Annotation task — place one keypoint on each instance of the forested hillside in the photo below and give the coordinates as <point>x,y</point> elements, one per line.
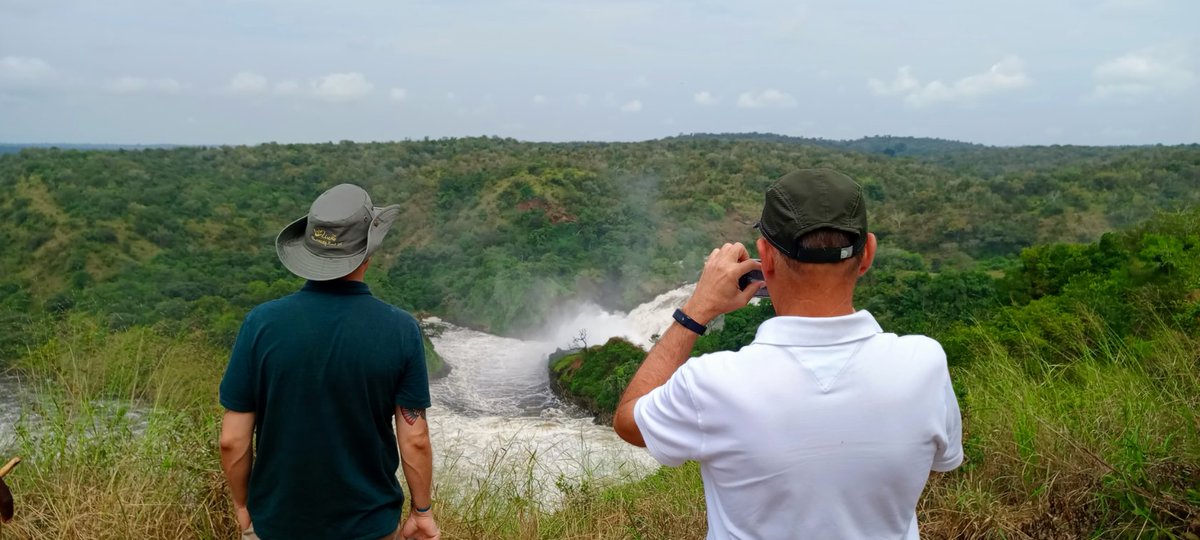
<point>1073,347</point>
<point>494,231</point>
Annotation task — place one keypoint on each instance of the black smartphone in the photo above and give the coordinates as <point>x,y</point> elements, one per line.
<point>751,277</point>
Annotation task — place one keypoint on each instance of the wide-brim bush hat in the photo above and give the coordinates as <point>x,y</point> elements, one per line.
<point>341,230</point>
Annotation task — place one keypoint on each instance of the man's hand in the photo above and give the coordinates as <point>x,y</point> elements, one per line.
<point>717,292</point>
<point>243,518</point>
<point>420,526</point>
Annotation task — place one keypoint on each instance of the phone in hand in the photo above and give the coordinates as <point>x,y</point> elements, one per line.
<point>751,277</point>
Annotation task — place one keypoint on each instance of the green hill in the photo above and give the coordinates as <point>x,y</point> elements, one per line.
<point>493,230</point>
<point>126,272</point>
<point>888,145</point>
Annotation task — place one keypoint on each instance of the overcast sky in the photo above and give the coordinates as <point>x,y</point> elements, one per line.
<point>241,72</point>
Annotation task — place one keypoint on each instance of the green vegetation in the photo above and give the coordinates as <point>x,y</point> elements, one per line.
<point>119,436</point>
<point>1075,359</point>
<point>494,229</point>
<point>433,361</point>
<point>1080,389</point>
<point>594,377</point>
<point>120,441</point>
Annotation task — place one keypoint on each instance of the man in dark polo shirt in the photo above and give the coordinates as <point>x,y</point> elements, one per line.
<point>315,380</point>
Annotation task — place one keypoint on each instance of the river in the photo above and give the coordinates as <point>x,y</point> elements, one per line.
<point>10,410</point>
<point>494,420</point>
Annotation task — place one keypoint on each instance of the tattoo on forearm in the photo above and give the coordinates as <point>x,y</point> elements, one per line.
<point>412,415</point>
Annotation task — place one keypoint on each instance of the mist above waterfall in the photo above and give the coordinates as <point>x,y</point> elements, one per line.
<point>596,324</point>
<point>495,408</point>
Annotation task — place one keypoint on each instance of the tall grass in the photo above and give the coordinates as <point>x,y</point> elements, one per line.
<point>1103,442</point>
<point>118,437</point>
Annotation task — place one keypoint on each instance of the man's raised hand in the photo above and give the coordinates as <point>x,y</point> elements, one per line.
<point>717,292</point>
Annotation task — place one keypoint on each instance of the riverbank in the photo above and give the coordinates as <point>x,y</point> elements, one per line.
<point>1108,449</point>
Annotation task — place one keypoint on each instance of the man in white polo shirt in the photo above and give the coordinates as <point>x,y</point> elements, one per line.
<point>825,426</point>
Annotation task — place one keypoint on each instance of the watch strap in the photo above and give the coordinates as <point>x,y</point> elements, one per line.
<point>689,323</point>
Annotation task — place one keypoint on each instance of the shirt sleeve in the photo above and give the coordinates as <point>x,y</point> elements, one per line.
<point>237,386</point>
<point>670,422</point>
<point>412,390</point>
<point>949,448</point>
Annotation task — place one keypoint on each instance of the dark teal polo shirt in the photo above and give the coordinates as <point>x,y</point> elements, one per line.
<point>323,370</point>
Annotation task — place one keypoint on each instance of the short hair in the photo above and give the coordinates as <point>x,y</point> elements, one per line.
<point>823,238</point>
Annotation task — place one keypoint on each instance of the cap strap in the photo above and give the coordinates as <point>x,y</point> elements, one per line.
<point>824,255</point>
<point>816,255</point>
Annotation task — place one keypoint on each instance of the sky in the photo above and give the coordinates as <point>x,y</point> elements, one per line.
<point>1014,72</point>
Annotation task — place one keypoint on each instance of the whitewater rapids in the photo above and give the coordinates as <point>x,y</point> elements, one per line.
<point>495,424</point>
<point>495,421</point>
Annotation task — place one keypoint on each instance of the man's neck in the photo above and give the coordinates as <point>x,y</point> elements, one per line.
<point>357,275</point>
<point>815,300</point>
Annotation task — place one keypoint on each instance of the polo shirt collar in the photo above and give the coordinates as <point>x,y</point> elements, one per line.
<point>337,286</point>
<point>817,331</point>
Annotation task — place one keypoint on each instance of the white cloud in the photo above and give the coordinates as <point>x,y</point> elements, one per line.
<point>1143,73</point>
<point>247,83</point>
<point>903,83</point>
<point>398,94</point>
<point>342,87</point>
<point>705,98</point>
<point>1005,75</point>
<point>287,88</point>
<point>640,82</point>
<point>769,98</point>
<point>539,100</point>
<point>143,85</point>
<point>24,70</point>
<point>451,97</point>
<point>582,99</point>
<point>632,106</point>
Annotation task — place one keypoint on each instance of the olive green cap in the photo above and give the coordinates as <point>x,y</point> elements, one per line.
<point>806,200</point>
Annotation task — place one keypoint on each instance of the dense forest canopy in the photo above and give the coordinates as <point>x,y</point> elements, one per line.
<point>495,232</point>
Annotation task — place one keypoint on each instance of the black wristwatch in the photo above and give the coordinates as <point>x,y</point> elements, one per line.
<point>689,323</point>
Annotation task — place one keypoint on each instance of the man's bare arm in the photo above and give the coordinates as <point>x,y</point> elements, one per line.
<point>671,351</point>
<point>416,454</point>
<point>416,459</point>
<point>237,458</point>
<point>715,294</point>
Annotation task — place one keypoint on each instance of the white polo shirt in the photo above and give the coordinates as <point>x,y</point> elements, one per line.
<point>821,428</point>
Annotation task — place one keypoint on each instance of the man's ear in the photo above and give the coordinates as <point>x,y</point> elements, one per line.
<point>868,254</point>
<point>766,252</point>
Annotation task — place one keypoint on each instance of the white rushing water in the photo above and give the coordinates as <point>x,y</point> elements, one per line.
<point>495,418</point>
<point>10,410</point>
